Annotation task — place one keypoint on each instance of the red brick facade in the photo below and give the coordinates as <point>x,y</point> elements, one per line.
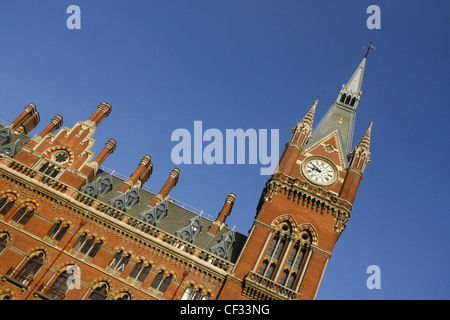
<point>60,241</point>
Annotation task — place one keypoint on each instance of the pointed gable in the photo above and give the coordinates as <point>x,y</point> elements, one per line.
<point>329,146</point>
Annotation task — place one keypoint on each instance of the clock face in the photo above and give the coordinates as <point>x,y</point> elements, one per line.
<point>320,171</point>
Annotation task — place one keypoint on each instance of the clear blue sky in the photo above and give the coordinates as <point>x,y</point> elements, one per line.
<point>258,64</point>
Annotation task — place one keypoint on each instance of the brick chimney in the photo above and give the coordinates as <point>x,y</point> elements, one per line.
<point>218,225</point>
<point>56,123</point>
<point>165,190</point>
<point>103,110</point>
<point>139,176</point>
<point>109,148</point>
<point>26,121</point>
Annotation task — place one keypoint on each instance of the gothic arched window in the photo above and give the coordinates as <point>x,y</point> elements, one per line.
<point>100,292</point>
<point>6,205</point>
<point>120,261</point>
<point>161,283</point>
<point>23,215</point>
<point>62,284</point>
<point>283,259</point>
<point>30,269</point>
<point>141,271</point>
<point>59,230</point>
<point>88,245</point>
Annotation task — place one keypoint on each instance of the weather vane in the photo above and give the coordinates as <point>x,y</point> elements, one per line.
<point>369,46</point>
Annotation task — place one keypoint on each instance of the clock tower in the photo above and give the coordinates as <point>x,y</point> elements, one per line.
<point>306,204</point>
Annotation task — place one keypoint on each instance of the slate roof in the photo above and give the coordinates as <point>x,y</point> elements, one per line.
<point>177,218</point>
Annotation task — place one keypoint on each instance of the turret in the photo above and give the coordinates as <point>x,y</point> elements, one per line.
<point>358,161</point>
<point>300,135</point>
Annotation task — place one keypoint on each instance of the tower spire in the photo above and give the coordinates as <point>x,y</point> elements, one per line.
<point>369,46</point>
<point>341,116</point>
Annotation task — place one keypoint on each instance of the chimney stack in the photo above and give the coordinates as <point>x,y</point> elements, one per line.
<point>56,123</point>
<point>109,148</point>
<point>103,110</point>
<point>218,225</point>
<point>165,190</point>
<point>26,121</point>
<point>139,176</point>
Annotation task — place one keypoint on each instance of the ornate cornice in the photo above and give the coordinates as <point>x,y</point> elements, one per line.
<point>313,197</point>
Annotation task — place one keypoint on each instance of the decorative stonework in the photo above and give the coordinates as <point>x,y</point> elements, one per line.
<point>314,198</point>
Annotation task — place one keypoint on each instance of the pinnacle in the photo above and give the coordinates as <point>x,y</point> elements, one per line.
<point>309,117</point>
<point>365,140</point>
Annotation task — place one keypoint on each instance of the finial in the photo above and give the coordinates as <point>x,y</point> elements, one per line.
<point>369,46</point>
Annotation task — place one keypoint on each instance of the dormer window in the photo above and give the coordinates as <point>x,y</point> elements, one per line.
<point>156,213</point>
<point>189,232</point>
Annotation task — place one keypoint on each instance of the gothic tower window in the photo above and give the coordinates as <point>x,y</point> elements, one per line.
<point>347,100</point>
<point>274,252</point>
<point>284,259</point>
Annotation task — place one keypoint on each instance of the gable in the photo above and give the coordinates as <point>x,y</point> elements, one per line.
<point>330,147</point>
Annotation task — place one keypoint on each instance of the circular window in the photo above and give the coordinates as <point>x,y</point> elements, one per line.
<point>61,156</point>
